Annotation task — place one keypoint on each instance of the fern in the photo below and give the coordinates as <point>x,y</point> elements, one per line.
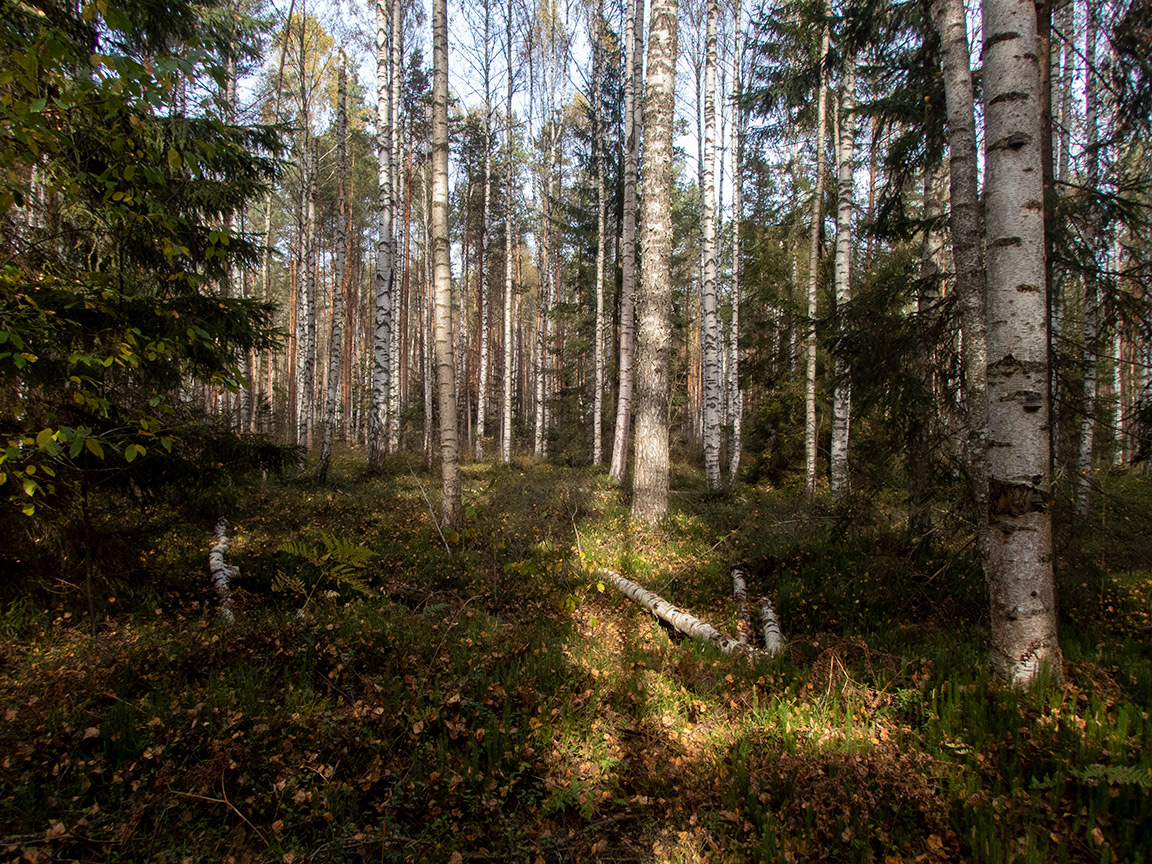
<point>330,559</point>
<point>1117,775</point>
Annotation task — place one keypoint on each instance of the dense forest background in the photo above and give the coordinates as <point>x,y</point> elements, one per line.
<point>352,357</point>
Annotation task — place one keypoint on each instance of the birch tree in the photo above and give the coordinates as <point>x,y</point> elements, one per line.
<point>510,193</point>
<point>452,513</point>
<point>633,67</point>
<point>842,394</point>
<point>966,228</point>
<point>601,216</point>
<point>382,380</point>
<point>1018,553</point>
<point>1091,272</point>
<point>813,269</point>
<point>654,337</point>
<point>336,340</point>
<point>735,397</point>
<point>708,246</point>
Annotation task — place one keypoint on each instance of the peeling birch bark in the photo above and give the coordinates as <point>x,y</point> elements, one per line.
<point>222,571</point>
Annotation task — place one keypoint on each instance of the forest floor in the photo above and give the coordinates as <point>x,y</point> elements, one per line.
<point>388,695</point>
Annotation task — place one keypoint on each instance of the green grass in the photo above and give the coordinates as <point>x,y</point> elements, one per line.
<point>495,702</point>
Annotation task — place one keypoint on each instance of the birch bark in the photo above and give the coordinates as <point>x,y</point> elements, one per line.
<point>654,343</point>
<point>735,397</point>
<point>451,511</point>
<point>842,394</point>
<point>632,74</point>
<point>813,273</point>
<point>965,224</point>
<point>382,331</point>
<point>1018,553</point>
<point>336,338</point>
<point>711,325</point>
<point>601,204</point>
<point>506,424</point>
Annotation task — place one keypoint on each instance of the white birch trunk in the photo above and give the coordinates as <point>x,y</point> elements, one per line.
<point>1018,557</point>
<point>394,358</point>
<point>632,74</point>
<point>735,396</point>
<point>813,276</point>
<point>510,192</point>
<point>382,331</point>
<point>451,510</point>
<point>601,205</point>
<point>687,624</point>
<point>967,253</point>
<point>482,390</point>
<point>654,342</point>
<point>842,394</point>
<point>711,326</point>
<point>336,338</point>
<point>221,571</point>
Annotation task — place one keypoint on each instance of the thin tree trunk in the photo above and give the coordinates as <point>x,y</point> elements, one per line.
<point>397,288</point>
<point>482,388</point>
<point>967,252</point>
<point>1091,273</point>
<point>711,325</point>
<point>601,242</point>
<point>382,331</point>
<point>1018,554</point>
<point>736,397</point>
<point>632,74</point>
<point>842,394</point>
<point>654,342</point>
<point>510,193</point>
<point>813,273</point>
<point>336,338</point>
<point>451,511</point>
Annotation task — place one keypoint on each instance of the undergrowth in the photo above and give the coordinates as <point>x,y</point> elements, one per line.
<point>396,700</point>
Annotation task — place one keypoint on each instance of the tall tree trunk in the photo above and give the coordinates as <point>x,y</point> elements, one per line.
<point>451,512</point>
<point>967,252</point>
<point>1018,554</point>
<point>919,456</point>
<point>633,66</point>
<point>601,240</point>
<point>814,271</point>
<point>842,394</point>
<point>735,397</point>
<point>711,324</point>
<point>1067,28</point>
<point>382,331</point>
<point>510,193</point>
<point>336,338</point>
<point>1091,272</point>
<point>482,280</point>
<point>654,342</point>
<point>398,288</point>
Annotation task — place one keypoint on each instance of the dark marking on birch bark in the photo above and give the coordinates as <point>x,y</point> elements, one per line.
<point>1015,141</point>
<point>1011,96</point>
<point>1007,241</point>
<point>1006,36</point>
<point>1015,499</point>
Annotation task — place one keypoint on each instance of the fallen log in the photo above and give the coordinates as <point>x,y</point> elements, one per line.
<point>740,595</point>
<point>665,611</point>
<point>773,635</point>
<point>222,571</point>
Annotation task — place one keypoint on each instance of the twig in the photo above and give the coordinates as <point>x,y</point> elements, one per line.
<point>431,511</point>
<point>226,803</point>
